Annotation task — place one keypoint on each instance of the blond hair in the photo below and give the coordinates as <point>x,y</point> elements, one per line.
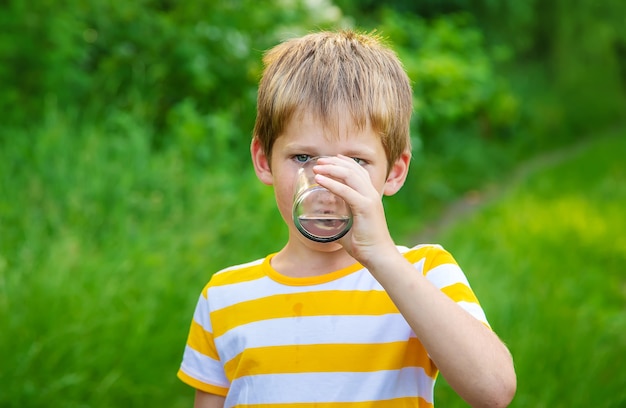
<point>323,72</point>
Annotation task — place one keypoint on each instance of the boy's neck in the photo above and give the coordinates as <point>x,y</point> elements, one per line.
<point>298,261</point>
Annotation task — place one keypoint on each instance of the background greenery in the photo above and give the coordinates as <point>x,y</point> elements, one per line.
<point>547,257</point>
<point>125,180</point>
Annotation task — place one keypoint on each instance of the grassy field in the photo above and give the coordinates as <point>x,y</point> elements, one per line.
<point>104,247</point>
<point>548,261</point>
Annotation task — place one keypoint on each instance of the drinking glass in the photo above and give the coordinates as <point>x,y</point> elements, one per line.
<point>318,214</point>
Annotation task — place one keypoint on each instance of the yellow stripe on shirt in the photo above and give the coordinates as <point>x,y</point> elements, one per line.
<point>201,341</point>
<point>331,358</point>
<point>459,292</point>
<point>408,402</point>
<point>316,303</point>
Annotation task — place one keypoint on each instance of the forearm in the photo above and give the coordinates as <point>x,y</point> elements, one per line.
<point>468,354</point>
<point>206,400</point>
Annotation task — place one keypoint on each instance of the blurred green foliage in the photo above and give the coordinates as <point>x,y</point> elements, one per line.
<point>455,82</point>
<point>183,69</point>
<point>104,247</point>
<point>546,258</point>
<point>189,70</point>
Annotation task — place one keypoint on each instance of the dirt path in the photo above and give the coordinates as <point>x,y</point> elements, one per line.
<point>475,200</point>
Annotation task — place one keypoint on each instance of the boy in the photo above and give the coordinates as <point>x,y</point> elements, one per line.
<point>358,322</point>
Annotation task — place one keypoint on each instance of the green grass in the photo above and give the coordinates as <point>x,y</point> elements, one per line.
<point>547,260</point>
<point>104,247</point>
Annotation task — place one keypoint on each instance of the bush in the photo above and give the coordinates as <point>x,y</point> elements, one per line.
<point>455,80</point>
<point>145,58</point>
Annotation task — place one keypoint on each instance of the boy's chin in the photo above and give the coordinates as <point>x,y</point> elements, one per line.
<point>332,246</point>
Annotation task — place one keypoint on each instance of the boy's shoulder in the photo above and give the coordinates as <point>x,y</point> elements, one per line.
<point>420,248</point>
<point>239,273</point>
<point>421,251</point>
<point>427,256</point>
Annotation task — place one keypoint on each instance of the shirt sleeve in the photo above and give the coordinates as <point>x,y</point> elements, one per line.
<point>201,367</point>
<point>442,270</point>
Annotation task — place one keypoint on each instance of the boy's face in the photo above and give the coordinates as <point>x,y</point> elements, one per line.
<point>305,137</point>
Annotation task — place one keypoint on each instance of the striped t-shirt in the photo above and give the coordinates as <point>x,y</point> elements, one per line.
<point>262,339</point>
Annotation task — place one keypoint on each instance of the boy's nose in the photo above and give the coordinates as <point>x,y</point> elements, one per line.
<point>325,197</point>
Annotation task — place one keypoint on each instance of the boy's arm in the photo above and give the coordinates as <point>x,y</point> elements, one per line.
<point>474,361</point>
<point>206,400</point>
<point>470,356</point>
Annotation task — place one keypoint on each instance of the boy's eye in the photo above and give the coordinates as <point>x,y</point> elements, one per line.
<point>301,158</point>
<point>359,161</point>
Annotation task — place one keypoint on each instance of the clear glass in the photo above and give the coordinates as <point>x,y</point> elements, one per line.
<point>318,214</point>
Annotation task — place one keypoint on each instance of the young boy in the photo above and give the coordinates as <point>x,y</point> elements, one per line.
<point>358,322</point>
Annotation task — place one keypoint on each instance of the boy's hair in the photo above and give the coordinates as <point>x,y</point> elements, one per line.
<point>324,72</point>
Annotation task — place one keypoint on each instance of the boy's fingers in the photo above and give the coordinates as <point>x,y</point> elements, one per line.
<point>345,170</point>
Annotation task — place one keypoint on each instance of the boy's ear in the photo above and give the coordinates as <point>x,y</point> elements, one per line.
<point>397,174</point>
<point>261,162</point>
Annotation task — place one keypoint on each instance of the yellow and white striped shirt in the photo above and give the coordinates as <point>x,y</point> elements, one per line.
<point>266,340</point>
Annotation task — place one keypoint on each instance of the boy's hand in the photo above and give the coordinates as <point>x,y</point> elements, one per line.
<point>369,236</point>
